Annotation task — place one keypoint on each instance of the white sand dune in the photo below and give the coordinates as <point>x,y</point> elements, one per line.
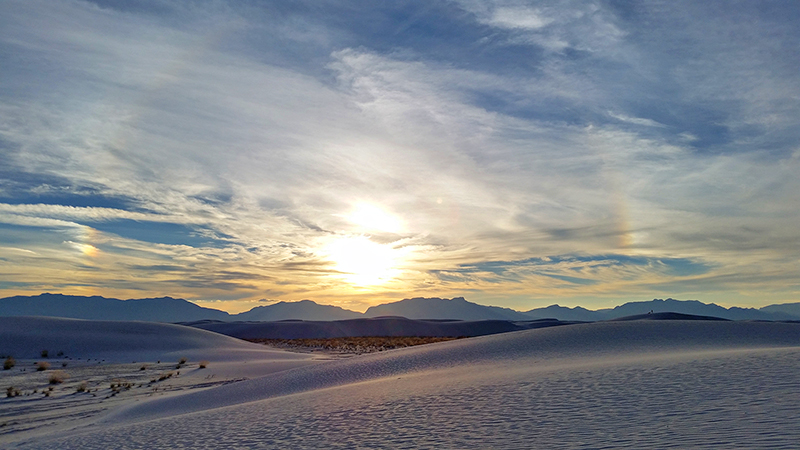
<point>119,341</point>
<point>141,356</point>
<point>641,384</point>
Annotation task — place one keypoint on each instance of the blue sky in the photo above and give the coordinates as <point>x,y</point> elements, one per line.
<point>516,153</point>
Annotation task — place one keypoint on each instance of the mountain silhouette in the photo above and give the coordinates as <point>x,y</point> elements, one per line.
<point>168,309</point>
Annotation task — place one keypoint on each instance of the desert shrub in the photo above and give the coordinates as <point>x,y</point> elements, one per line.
<point>203,364</point>
<point>9,363</point>
<point>11,391</point>
<point>60,353</point>
<point>44,353</point>
<point>165,376</point>
<point>182,361</point>
<point>118,385</point>
<point>83,387</point>
<point>57,377</point>
<point>64,364</point>
<point>144,367</point>
<point>42,365</point>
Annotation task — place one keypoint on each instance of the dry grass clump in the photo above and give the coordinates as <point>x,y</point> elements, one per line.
<point>11,391</point>
<point>42,366</point>
<point>9,363</point>
<point>203,365</point>
<point>118,385</point>
<point>83,387</point>
<point>57,377</point>
<point>165,375</point>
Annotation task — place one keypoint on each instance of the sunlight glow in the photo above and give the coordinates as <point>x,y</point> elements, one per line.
<point>373,218</point>
<point>363,262</point>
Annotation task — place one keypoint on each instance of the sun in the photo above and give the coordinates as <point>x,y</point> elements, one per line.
<point>362,262</point>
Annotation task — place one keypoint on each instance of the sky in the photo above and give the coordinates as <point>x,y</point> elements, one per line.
<point>519,154</point>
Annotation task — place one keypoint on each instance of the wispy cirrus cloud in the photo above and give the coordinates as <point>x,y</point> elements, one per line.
<point>238,140</point>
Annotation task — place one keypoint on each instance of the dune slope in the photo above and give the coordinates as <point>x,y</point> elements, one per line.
<point>26,337</point>
<point>643,384</point>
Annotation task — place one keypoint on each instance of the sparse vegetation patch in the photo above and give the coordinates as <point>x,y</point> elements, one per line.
<point>165,376</point>
<point>11,391</point>
<point>118,385</point>
<point>356,345</point>
<point>9,363</point>
<point>42,366</point>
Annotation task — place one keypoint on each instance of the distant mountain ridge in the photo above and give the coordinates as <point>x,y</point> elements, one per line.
<point>163,309</point>
<point>692,307</point>
<point>168,309</point>
<point>441,308</point>
<point>304,309</point>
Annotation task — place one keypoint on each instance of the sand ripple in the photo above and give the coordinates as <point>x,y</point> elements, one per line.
<point>710,399</point>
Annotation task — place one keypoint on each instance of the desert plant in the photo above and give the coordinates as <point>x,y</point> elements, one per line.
<point>64,364</point>
<point>83,387</point>
<point>12,392</point>
<point>42,365</point>
<point>44,353</point>
<point>144,367</point>
<point>165,375</point>
<point>9,363</point>
<point>57,377</point>
<point>203,364</point>
<point>60,353</point>
<point>118,385</point>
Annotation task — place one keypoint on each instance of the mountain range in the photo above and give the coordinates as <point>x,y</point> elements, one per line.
<point>168,309</point>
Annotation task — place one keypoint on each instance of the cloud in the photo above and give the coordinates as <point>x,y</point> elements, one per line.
<point>579,270</point>
<point>635,120</point>
<point>518,17</point>
<point>237,140</point>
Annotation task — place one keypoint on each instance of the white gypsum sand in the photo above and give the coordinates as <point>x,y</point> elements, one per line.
<point>99,366</point>
<point>641,384</point>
